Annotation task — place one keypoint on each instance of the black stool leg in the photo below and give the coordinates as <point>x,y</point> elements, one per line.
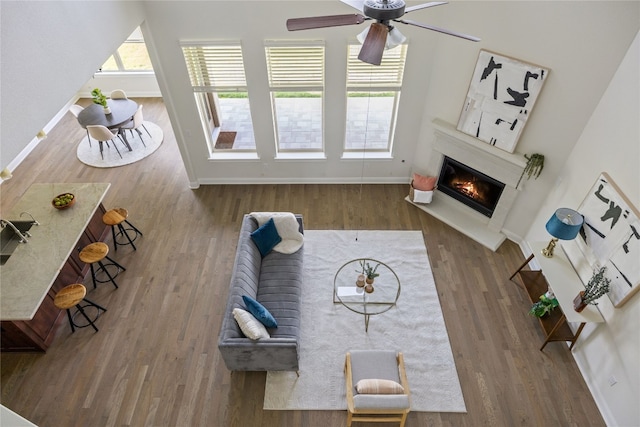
<point>93,276</point>
<point>116,264</point>
<point>113,233</point>
<point>124,231</point>
<point>73,328</point>
<point>107,271</point>
<point>81,310</point>
<point>134,227</point>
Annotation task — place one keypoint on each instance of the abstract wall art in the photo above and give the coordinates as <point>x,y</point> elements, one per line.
<point>610,236</point>
<point>501,95</point>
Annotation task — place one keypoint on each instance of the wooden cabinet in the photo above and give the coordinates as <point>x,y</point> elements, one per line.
<point>558,275</point>
<point>38,333</point>
<point>553,324</point>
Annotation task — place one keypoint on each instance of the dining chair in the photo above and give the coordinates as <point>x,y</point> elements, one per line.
<point>136,123</point>
<point>118,94</point>
<point>103,134</point>
<point>75,109</point>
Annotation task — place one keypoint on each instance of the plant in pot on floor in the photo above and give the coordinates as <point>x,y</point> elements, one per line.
<point>597,286</point>
<point>545,305</point>
<point>100,99</point>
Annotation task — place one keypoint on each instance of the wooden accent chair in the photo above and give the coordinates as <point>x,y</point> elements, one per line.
<point>369,406</point>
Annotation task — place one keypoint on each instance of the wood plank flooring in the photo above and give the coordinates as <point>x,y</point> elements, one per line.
<point>155,362</point>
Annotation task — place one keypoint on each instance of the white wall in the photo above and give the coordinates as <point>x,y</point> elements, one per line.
<point>49,49</point>
<point>609,143</point>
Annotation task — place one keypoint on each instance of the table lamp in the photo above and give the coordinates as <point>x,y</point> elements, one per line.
<point>564,224</point>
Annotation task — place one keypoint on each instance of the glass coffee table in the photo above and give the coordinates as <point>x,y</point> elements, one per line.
<point>367,300</point>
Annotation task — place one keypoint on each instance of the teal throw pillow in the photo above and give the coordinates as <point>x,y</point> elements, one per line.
<point>259,312</point>
<point>266,237</point>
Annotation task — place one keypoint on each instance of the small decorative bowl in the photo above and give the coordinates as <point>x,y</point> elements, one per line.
<point>63,201</point>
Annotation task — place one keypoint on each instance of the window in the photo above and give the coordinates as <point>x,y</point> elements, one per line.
<point>296,82</point>
<point>131,56</point>
<point>220,89</point>
<point>373,92</point>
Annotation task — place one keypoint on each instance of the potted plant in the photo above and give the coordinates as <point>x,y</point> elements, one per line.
<point>100,99</point>
<point>597,286</point>
<point>535,164</point>
<point>545,305</point>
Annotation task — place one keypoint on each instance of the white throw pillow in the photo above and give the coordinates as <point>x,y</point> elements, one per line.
<point>249,325</point>
<point>376,386</point>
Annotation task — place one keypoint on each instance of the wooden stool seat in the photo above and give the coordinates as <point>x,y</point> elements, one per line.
<point>117,218</point>
<point>72,296</point>
<point>95,253</point>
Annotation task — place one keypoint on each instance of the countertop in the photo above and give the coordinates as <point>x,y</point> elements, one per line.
<point>31,270</point>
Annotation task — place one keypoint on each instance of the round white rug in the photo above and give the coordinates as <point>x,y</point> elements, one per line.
<point>90,155</point>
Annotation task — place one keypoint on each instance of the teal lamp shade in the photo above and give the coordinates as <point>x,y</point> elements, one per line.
<point>564,224</point>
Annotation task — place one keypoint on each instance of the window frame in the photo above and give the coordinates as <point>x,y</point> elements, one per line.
<point>287,73</point>
<point>361,78</point>
<point>202,59</point>
<point>132,39</point>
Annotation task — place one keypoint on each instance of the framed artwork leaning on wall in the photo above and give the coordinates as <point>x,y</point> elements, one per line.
<point>502,93</point>
<point>610,236</point>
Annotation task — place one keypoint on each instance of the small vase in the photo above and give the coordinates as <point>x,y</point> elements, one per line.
<point>360,280</point>
<point>578,302</point>
<point>107,110</point>
<point>369,288</point>
<point>369,281</point>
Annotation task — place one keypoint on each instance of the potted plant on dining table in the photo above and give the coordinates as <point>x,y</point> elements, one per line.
<point>100,99</point>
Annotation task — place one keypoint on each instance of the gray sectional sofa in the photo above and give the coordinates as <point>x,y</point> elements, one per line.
<point>275,281</point>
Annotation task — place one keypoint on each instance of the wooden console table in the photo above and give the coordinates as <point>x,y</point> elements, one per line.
<point>557,274</point>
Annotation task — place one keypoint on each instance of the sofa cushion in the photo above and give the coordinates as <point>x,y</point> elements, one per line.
<point>259,312</point>
<point>266,237</point>
<point>249,325</point>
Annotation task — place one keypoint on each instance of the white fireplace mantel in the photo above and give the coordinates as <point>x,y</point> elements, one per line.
<point>494,162</point>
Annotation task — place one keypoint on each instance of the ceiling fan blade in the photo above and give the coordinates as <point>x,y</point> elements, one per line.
<point>295,24</point>
<point>356,4</point>
<point>424,6</point>
<point>373,46</point>
<point>438,29</point>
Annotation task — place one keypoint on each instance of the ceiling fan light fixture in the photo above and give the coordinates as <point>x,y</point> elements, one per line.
<point>394,39</point>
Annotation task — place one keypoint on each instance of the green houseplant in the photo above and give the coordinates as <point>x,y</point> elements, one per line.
<point>368,271</point>
<point>597,286</point>
<point>545,305</point>
<point>535,164</point>
<point>99,98</point>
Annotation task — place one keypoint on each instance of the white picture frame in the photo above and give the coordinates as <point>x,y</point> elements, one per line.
<point>610,237</point>
<point>501,96</point>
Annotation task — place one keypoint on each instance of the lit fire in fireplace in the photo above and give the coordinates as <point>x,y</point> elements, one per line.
<point>471,189</point>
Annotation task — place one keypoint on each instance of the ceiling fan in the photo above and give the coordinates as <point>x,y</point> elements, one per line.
<point>380,34</point>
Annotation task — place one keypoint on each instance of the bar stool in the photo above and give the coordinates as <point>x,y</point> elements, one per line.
<point>115,218</point>
<point>96,253</point>
<point>71,296</point>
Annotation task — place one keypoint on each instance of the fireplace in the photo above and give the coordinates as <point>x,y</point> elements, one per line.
<point>469,186</point>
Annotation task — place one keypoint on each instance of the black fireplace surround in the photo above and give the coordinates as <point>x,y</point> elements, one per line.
<point>469,186</point>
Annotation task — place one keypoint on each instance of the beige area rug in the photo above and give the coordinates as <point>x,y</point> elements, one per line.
<point>225,140</point>
<point>414,326</point>
<point>90,155</point>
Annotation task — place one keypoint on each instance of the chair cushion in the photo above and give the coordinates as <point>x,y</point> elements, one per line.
<point>381,401</point>
<point>382,364</point>
<point>259,312</point>
<point>266,237</point>
<point>249,325</point>
<point>378,386</point>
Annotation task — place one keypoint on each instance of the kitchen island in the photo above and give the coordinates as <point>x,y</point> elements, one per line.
<point>49,261</point>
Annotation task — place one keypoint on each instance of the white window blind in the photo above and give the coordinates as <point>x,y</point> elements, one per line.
<point>386,75</point>
<point>217,68</point>
<point>295,67</point>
